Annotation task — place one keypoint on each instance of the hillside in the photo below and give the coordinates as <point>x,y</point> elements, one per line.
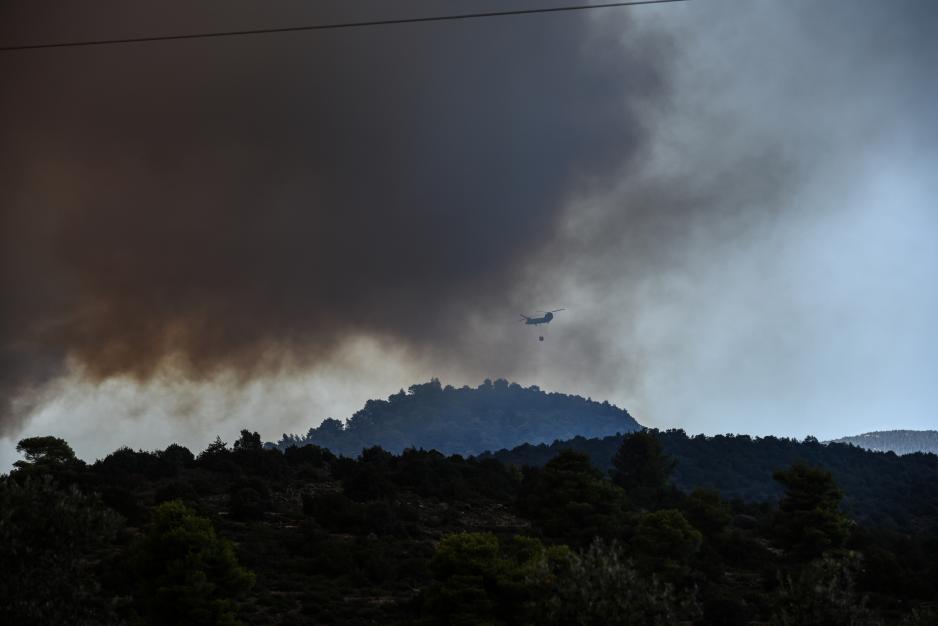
<point>898,441</point>
<point>879,488</point>
<point>247,535</point>
<point>492,416</point>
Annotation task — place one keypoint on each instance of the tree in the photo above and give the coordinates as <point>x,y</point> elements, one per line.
<point>216,448</point>
<point>570,501</point>
<point>217,457</point>
<point>463,566</point>
<point>601,586</point>
<point>127,465</point>
<point>707,512</point>
<point>248,442</point>
<point>186,573</point>
<point>177,456</point>
<point>809,520</point>
<point>664,542</point>
<point>248,504</point>
<point>823,593</point>
<point>368,478</point>
<point>48,456</point>
<point>641,468</point>
<point>479,580</point>
<point>44,450</point>
<point>50,540</point>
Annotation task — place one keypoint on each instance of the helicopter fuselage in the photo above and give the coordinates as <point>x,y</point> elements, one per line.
<point>534,321</point>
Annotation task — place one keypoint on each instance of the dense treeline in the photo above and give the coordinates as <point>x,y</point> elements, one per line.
<point>881,489</point>
<point>492,416</point>
<point>244,534</point>
<point>898,441</point>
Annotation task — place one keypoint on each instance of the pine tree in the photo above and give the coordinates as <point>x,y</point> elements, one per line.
<point>809,521</point>
<point>641,468</point>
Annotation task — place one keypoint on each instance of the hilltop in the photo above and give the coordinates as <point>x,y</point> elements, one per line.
<point>898,441</point>
<point>492,416</point>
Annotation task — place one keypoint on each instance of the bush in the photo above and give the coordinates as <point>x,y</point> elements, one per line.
<point>124,502</point>
<point>570,501</point>
<point>822,593</point>
<point>176,490</point>
<point>311,455</point>
<point>177,456</point>
<point>49,541</point>
<point>248,504</point>
<point>664,542</point>
<point>124,464</point>
<point>479,580</point>
<point>600,586</point>
<point>186,573</point>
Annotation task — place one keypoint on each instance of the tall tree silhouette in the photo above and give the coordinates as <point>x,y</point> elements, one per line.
<point>641,468</point>
<point>809,521</point>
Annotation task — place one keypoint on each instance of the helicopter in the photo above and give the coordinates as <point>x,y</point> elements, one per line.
<point>544,319</point>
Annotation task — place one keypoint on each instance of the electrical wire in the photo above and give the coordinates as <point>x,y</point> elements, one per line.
<point>332,26</point>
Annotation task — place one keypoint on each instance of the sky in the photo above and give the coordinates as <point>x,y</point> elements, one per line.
<point>733,202</point>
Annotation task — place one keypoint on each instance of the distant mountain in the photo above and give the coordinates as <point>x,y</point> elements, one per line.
<point>879,488</point>
<point>493,416</point>
<point>898,441</point>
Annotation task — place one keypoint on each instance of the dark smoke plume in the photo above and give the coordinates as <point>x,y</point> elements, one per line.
<point>249,204</point>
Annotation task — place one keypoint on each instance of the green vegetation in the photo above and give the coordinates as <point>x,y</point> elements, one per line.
<point>252,535</point>
<point>602,586</point>
<point>44,451</point>
<point>880,489</point>
<point>187,574</point>
<point>570,501</point>
<point>642,469</point>
<point>481,580</point>
<point>809,521</point>
<point>50,538</point>
<point>493,416</point>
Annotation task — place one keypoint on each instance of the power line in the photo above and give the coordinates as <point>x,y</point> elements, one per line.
<point>333,26</point>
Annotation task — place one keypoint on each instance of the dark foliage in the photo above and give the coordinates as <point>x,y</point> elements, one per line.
<point>249,500</point>
<point>481,580</point>
<point>495,415</point>
<point>421,537</point>
<point>177,456</point>
<point>570,501</point>
<point>131,466</point>
<point>49,538</point>
<point>602,586</point>
<point>641,468</point>
<point>44,451</point>
<point>187,573</point>
<point>309,455</point>
<point>48,457</point>
<point>880,489</point>
<point>175,490</point>
<point>809,521</point>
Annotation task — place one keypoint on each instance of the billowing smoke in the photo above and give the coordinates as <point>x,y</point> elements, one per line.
<point>734,201</point>
<point>251,204</point>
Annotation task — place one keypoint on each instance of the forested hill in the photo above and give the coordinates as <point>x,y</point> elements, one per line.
<point>898,441</point>
<point>881,489</point>
<point>493,416</point>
